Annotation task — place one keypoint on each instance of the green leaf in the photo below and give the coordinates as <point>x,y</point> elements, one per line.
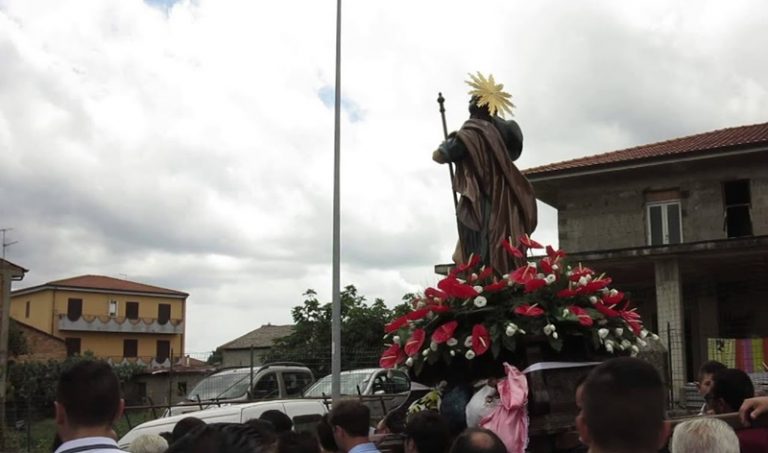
<point>556,344</point>
<point>495,349</point>
<point>509,343</point>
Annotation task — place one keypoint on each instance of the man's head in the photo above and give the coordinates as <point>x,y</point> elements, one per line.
<point>706,375</point>
<point>293,442</point>
<point>427,432</point>
<point>704,434</point>
<point>87,399</point>
<point>392,423</point>
<point>184,426</point>
<point>478,440</point>
<point>623,407</point>
<point>351,421</point>
<point>279,420</point>
<point>730,388</point>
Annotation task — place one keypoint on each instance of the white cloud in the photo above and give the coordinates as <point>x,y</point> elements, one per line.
<point>190,145</point>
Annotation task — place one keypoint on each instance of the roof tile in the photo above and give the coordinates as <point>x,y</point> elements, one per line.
<point>110,284</point>
<point>263,337</point>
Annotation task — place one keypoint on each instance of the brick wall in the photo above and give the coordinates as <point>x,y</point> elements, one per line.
<point>41,346</point>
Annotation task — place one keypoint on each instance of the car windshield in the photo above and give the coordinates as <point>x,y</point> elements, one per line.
<point>221,386</point>
<point>349,385</point>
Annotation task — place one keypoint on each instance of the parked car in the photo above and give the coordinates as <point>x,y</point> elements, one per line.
<point>304,413</point>
<point>367,381</point>
<point>271,381</point>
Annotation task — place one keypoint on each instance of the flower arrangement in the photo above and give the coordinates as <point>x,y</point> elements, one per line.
<point>474,311</point>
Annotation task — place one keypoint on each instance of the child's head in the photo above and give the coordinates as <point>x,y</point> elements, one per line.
<point>707,374</point>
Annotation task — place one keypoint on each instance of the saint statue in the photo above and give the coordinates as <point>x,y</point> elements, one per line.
<point>497,202</point>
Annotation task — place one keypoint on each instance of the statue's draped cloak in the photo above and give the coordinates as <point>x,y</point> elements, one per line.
<point>497,201</point>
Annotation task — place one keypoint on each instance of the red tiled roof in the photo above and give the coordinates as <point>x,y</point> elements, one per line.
<point>719,140</point>
<point>105,283</point>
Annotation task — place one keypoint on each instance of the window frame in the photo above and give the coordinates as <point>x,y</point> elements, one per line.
<point>128,304</point>
<point>71,303</point>
<point>136,346</point>
<point>664,221</point>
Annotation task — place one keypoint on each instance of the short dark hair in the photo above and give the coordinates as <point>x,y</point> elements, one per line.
<point>733,386</point>
<point>623,405</point>
<point>395,421</point>
<point>184,426</point>
<point>279,420</point>
<point>324,432</point>
<point>429,431</point>
<point>711,367</point>
<point>293,442</point>
<point>89,393</point>
<point>223,437</point>
<point>478,440</point>
<point>353,417</point>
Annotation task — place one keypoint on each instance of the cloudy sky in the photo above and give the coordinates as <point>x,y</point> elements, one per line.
<point>190,144</point>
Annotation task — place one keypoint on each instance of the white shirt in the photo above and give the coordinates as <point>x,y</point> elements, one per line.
<point>89,445</point>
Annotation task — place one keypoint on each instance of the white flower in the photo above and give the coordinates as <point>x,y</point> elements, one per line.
<point>642,343</point>
<point>511,329</point>
<point>655,337</point>
<point>453,353</point>
<point>625,344</point>
<point>613,292</point>
<point>409,362</point>
<point>480,301</point>
<point>437,299</point>
<point>554,335</point>
<point>589,278</point>
<point>643,333</point>
<point>505,277</point>
<point>604,291</point>
<point>602,333</point>
<point>609,346</point>
<point>478,289</point>
<point>452,342</point>
<point>635,350</point>
<point>425,352</point>
<point>583,281</point>
<point>566,312</point>
<point>470,355</point>
<point>550,279</point>
<point>468,342</point>
<point>396,339</point>
<point>433,346</point>
<point>555,267</point>
<point>540,276</point>
<point>592,300</point>
<point>532,264</point>
<point>473,277</point>
<point>522,332</point>
<point>549,329</point>
<point>619,331</point>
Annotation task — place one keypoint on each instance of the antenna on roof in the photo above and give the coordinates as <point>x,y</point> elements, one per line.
<point>6,244</point>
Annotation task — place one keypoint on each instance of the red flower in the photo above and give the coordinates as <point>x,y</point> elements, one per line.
<point>579,272</point>
<point>582,315</point>
<point>606,310</point>
<point>597,285</point>
<point>413,345</point>
<point>534,284</point>
<point>530,243</point>
<point>415,315</point>
<point>439,308</point>
<point>554,254</point>
<point>523,274</point>
<point>454,288</point>
<point>546,265</point>
<point>495,286</point>
<point>529,310</point>
<point>514,251</point>
<point>613,299</point>
<point>392,357</point>
<point>474,260</point>
<point>444,332</point>
<point>568,292</point>
<point>486,272</point>
<point>396,324</point>
<point>481,340</point>
<point>432,293</point>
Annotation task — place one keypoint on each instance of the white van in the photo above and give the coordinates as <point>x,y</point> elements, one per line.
<point>304,413</point>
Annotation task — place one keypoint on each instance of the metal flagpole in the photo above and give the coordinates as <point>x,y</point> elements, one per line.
<point>336,303</point>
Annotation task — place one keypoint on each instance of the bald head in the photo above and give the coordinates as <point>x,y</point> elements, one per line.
<point>478,440</point>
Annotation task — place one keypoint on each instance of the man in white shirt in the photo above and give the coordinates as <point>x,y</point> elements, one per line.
<point>87,405</point>
<point>351,422</point>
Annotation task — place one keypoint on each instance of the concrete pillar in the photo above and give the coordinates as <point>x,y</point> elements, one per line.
<point>707,317</point>
<point>669,305</point>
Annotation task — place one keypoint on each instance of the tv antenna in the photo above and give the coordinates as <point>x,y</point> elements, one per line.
<point>6,244</point>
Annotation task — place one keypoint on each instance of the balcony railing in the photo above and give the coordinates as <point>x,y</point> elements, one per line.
<point>92,323</point>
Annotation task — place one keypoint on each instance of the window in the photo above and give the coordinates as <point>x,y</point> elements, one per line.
<point>737,199</point>
<point>163,350</point>
<point>73,346</point>
<point>130,348</point>
<point>112,308</point>
<point>163,313</point>
<point>26,310</point>
<point>132,310</point>
<point>664,224</point>
<point>74,309</point>
<point>266,387</point>
<point>295,382</point>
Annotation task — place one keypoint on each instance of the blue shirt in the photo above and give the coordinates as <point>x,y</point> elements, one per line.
<point>369,447</point>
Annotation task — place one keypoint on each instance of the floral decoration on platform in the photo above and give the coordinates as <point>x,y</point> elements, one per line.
<point>473,311</point>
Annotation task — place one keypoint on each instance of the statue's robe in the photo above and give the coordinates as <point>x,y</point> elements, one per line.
<point>497,201</point>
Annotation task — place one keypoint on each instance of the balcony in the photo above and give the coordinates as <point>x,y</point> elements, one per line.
<point>92,323</point>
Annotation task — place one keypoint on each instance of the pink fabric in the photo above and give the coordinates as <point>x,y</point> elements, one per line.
<point>510,419</point>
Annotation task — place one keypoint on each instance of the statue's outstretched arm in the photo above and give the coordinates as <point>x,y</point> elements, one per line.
<point>451,150</point>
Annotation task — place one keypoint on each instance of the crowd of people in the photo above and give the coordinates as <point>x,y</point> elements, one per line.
<point>621,408</point>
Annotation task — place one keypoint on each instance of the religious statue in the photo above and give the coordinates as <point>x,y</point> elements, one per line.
<point>497,201</point>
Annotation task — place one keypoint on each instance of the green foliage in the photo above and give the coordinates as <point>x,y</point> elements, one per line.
<point>215,358</point>
<point>362,328</point>
<point>17,343</point>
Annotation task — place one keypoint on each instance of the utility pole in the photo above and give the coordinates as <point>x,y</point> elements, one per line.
<point>336,302</point>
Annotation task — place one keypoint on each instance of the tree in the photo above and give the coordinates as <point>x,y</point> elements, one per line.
<point>362,328</point>
<point>215,358</point>
<point>17,343</point>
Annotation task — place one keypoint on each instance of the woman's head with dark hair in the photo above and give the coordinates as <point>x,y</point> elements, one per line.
<point>184,426</point>
<point>324,432</point>
<point>224,438</point>
<point>293,442</point>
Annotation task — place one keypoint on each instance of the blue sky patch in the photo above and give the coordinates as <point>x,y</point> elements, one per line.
<point>327,94</point>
